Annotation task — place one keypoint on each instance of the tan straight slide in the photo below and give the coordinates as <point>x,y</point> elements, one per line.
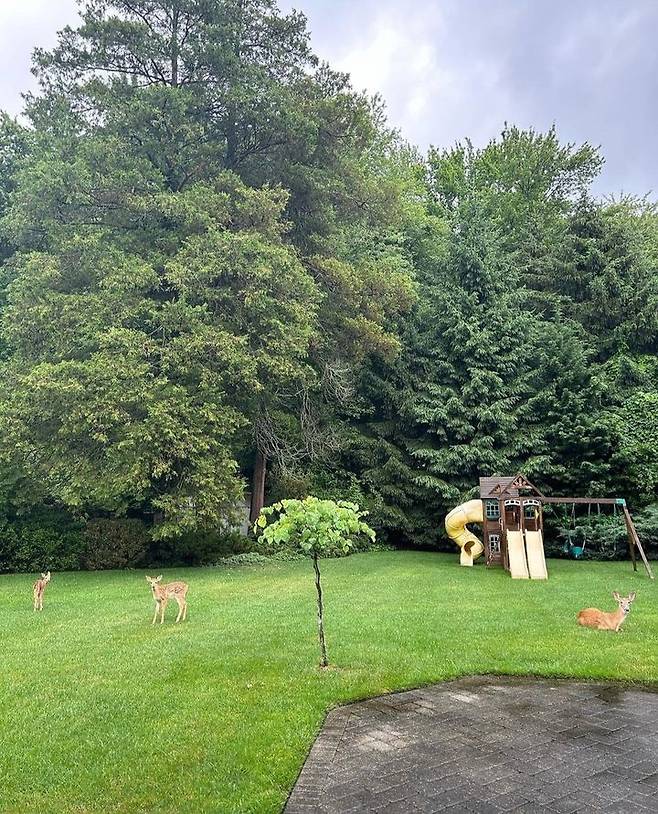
<point>536,560</point>
<point>518,567</point>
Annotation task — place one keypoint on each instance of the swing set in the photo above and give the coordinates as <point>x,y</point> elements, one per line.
<point>577,548</point>
<point>510,510</point>
<point>574,546</point>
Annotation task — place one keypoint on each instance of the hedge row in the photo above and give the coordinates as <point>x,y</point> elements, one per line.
<point>61,544</point>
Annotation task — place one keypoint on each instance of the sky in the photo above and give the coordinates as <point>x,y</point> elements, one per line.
<point>455,69</point>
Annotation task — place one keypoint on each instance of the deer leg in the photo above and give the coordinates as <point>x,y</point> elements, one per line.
<point>163,605</point>
<point>155,615</point>
<point>180,611</point>
<point>185,610</point>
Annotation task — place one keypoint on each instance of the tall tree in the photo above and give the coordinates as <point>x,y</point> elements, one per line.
<point>143,110</point>
<point>130,375</point>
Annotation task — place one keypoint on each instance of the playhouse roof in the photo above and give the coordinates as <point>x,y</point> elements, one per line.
<point>497,486</point>
<point>487,486</point>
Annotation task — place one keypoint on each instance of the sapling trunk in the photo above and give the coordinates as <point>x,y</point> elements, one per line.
<point>324,660</point>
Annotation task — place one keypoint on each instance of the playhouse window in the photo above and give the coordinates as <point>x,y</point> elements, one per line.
<point>492,509</point>
<point>494,543</point>
<point>529,511</point>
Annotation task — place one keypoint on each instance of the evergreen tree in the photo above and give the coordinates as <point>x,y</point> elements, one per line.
<point>496,374</point>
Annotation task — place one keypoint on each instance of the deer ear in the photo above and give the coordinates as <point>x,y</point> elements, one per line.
<point>615,595</point>
<point>159,579</point>
<point>631,597</point>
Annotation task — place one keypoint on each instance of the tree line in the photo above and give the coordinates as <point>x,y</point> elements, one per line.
<point>221,270</point>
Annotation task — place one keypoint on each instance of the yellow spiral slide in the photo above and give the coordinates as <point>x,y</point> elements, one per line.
<point>456,520</point>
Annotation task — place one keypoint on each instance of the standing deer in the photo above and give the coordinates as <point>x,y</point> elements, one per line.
<point>162,594</point>
<point>593,617</point>
<point>38,590</point>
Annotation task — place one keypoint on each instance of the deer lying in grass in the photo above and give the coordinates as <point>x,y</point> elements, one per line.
<point>593,617</point>
<point>162,594</point>
<point>38,590</point>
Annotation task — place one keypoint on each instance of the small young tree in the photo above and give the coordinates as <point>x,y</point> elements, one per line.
<point>317,528</point>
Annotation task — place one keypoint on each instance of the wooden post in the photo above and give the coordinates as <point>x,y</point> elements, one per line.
<point>631,545</point>
<point>630,527</point>
<point>503,534</point>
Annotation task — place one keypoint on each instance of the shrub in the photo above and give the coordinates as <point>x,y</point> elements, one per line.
<point>115,543</point>
<point>29,545</point>
<point>199,548</point>
<point>248,558</point>
<point>255,558</point>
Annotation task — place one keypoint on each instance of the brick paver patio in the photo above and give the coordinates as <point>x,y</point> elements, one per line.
<point>487,745</point>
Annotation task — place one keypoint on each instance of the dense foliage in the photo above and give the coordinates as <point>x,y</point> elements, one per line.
<point>218,265</point>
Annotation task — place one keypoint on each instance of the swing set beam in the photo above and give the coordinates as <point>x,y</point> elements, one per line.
<point>606,501</point>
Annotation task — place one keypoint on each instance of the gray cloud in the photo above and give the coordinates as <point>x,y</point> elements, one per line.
<point>24,26</point>
<point>450,69</point>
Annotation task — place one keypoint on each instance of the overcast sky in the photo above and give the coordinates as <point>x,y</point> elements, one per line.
<point>450,69</point>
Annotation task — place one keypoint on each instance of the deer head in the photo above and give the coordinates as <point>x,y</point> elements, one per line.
<point>624,602</point>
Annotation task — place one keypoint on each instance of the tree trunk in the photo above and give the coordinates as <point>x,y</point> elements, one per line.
<point>258,486</point>
<point>324,660</point>
<point>174,47</point>
<point>232,113</point>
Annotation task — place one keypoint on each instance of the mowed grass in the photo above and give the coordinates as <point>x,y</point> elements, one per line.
<point>100,712</point>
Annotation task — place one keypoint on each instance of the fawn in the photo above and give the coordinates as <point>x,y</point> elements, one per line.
<point>593,617</point>
<point>162,594</point>
<point>38,589</point>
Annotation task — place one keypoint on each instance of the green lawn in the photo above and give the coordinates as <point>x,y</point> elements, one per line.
<point>100,712</point>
